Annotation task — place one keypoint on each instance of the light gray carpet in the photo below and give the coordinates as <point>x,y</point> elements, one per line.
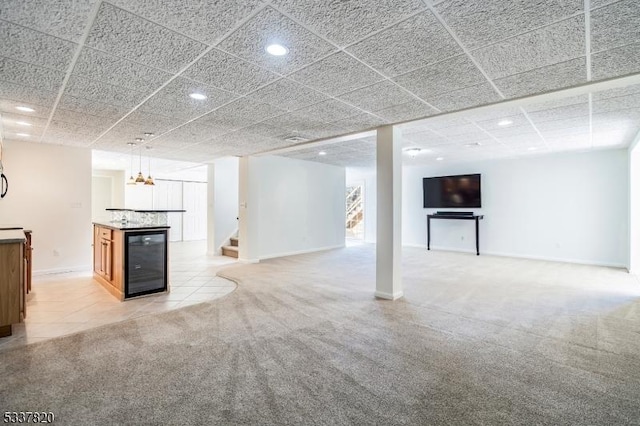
<point>477,340</point>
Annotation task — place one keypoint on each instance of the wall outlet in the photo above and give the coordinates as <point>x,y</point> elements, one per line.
<point>462,237</point>
<point>56,252</point>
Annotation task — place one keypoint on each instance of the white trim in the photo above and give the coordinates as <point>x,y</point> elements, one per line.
<point>293,253</point>
<point>388,296</point>
<point>85,268</point>
<point>523,256</point>
<point>248,261</point>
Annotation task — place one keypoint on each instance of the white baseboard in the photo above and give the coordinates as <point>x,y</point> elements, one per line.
<point>305,251</point>
<point>388,296</point>
<point>523,256</point>
<point>246,261</point>
<point>85,268</point>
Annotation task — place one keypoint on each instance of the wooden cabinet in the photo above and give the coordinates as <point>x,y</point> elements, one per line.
<point>12,276</point>
<point>107,263</point>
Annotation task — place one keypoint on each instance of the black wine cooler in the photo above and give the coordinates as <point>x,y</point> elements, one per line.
<point>146,263</point>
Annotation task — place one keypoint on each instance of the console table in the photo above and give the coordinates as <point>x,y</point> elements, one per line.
<point>454,217</point>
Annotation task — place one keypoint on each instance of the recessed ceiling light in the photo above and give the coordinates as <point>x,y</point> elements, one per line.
<point>26,135</point>
<point>439,158</point>
<point>413,151</point>
<point>149,134</point>
<point>23,123</point>
<point>276,50</point>
<point>505,122</point>
<point>25,109</point>
<point>198,96</point>
<point>322,153</point>
<point>139,140</point>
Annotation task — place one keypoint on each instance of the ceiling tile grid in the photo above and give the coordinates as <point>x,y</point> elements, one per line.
<point>336,74</point>
<point>227,72</point>
<point>345,22</point>
<point>129,36</point>
<point>288,94</point>
<point>203,20</point>
<point>270,27</point>
<point>66,19</point>
<point>95,65</point>
<point>24,44</point>
<point>418,41</point>
<point>481,22</point>
<point>30,75</point>
<point>615,25</point>
<point>546,46</point>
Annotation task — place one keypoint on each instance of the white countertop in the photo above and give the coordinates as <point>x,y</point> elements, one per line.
<point>12,236</point>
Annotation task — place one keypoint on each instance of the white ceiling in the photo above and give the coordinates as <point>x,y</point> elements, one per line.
<point>101,73</point>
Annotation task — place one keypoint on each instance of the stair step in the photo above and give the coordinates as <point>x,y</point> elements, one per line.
<point>231,251</point>
<point>234,242</point>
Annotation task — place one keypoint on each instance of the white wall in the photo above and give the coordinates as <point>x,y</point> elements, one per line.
<point>367,177</point>
<point>634,206</point>
<point>301,206</point>
<point>107,191</point>
<point>50,193</point>
<point>225,200</point>
<point>568,207</point>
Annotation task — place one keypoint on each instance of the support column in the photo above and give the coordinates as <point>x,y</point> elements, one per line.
<point>248,212</point>
<point>211,177</point>
<point>389,213</point>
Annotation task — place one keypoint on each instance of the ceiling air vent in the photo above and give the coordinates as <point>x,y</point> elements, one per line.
<point>295,139</point>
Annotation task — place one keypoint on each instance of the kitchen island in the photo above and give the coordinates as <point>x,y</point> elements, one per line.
<point>12,279</point>
<point>130,259</point>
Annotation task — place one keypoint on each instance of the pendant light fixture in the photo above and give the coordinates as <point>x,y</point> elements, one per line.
<point>131,180</point>
<point>140,177</point>
<point>149,180</point>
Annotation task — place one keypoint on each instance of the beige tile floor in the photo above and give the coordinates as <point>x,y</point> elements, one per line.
<point>61,304</point>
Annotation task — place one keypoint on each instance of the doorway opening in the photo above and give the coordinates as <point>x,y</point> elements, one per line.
<point>355,212</point>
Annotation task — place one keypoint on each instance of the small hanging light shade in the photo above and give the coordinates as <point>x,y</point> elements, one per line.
<point>131,180</point>
<point>149,180</point>
<point>140,177</point>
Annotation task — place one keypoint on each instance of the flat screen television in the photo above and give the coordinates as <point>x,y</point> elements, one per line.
<point>459,191</point>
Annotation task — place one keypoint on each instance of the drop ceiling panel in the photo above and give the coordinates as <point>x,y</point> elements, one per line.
<point>139,122</point>
<point>66,19</point>
<point>103,92</point>
<point>615,25</point>
<point>30,75</point>
<point>11,121</point>
<point>480,94</point>
<point>9,106</point>
<point>240,113</point>
<point>411,44</point>
<point>492,123</point>
<point>408,111</point>
<point>481,22</point>
<point>126,35</point>
<point>173,100</point>
<point>227,72</point>
<point>442,77</point>
<point>616,62</point>
<point>27,96</point>
<point>617,103</point>
<point>34,47</point>
<point>288,94</point>
<point>565,74</point>
<point>93,107</point>
<point>345,22</point>
<point>563,123</point>
<point>614,93</point>
<point>110,69</point>
<point>360,122</point>
<point>270,27</point>
<point>62,115</point>
<point>203,20</point>
<point>562,112</point>
<point>339,73</point>
<point>377,96</point>
<point>546,46</point>
<point>328,111</point>
<point>558,103</point>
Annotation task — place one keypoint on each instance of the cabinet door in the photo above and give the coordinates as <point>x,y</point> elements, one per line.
<point>107,265</point>
<point>97,250</point>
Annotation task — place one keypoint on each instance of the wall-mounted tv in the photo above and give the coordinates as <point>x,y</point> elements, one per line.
<point>459,191</point>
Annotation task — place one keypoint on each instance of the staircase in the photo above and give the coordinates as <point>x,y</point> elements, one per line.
<point>355,213</point>
<point>231,250</point>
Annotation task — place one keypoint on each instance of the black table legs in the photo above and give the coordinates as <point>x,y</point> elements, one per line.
<point>428,233</point>
<point>477,239</point>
